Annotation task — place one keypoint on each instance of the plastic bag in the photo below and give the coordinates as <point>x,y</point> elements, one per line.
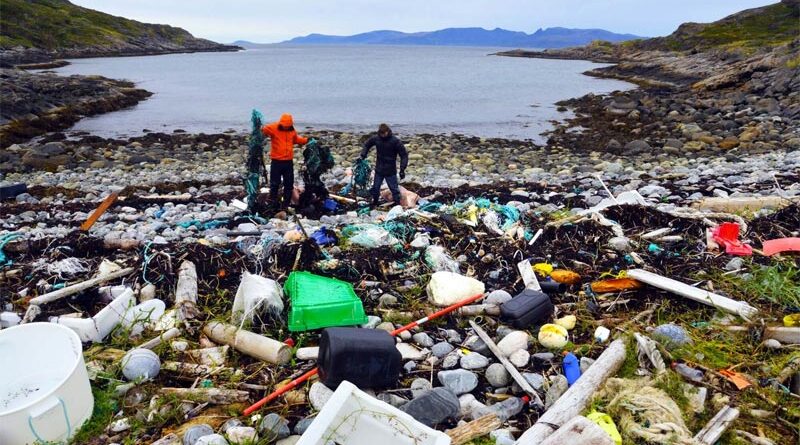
<point>374,236</point>
<point>421,240</point>
<point>256,296</point>
<point>437,259</point>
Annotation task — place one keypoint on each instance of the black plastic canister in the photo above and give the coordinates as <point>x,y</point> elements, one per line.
<point>366,358</point>
<point>527,308</point>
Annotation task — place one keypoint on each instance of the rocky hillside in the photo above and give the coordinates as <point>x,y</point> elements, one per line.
<point>42,30</point>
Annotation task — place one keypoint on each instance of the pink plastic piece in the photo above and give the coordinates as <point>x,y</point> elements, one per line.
<point>780,245</point>
<point>727,234</point>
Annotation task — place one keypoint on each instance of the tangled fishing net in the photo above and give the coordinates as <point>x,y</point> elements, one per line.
<point>255,159</point>
<point>646,413</point>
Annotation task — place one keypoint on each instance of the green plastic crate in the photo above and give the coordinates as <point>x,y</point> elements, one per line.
<point>321,302</point>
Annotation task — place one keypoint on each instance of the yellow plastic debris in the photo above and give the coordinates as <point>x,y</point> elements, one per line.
<point>543,269</point>
<point>605,422</point>
<point>553,336</point>
<point>791,320</point>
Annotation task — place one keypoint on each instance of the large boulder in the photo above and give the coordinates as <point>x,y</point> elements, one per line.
<point>47,157</point>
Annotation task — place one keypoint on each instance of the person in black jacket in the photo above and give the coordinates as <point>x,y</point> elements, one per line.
<point>388,147</point>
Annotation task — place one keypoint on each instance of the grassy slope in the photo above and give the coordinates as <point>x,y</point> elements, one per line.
<point>770,25</point>
<point>58,24</point>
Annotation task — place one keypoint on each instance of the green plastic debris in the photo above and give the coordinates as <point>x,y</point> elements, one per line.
<point>321,302</point>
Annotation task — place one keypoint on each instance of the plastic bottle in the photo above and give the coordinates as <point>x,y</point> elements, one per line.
<point>572,368</point>
<point>503,410</point>
<point>688,372</point>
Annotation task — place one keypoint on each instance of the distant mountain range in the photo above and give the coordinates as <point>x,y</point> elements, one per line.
<point>542,38</point>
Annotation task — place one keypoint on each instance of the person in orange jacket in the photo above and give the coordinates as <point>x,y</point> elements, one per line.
<point>282,137</point>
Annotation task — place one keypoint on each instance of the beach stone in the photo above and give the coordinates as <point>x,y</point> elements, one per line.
<point>302,425</point>
<point>474,343</point>
<point>450,360</point>
<point>637,146</point>
<point>419,387</point>
<point>671,336</point>
<point>292,440</point>
<point>502,437</point>
<point>543,358</point>
<point>274,427</point>
<point>195,432</point>
<point>520,358</point>
<point>169,439</point>
<point>422,339</point>
<point>441,349</point>
<point>497,375</point>
<point>240,435</point>
<point>318,395</point>
<point>433,407</point>
<point>212,439</point>
<point>410,366</point>
<point>474,360</point>
<point>409,352</point>
<point>230,423</point>
<point>513,342</point>
<point>497,297</point>
<point>734,264</point>
<point>387,300</point>
<point>533,379</point>
<point>558,386</point>
<point>459,381</point>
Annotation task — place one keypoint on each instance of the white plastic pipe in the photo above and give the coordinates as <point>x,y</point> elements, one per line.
<point>95,329</point>
<point>740,308</point>
<point>246,342</point>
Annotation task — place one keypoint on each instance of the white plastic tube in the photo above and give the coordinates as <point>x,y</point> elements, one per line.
<point>97,328</point>
<point>246,342</point>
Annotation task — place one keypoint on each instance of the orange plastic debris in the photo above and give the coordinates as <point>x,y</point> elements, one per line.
<point>99,211</point>
<point>737,379</point>
<point>565,276</point>
<point>615,285</point>
<point>781,245</point>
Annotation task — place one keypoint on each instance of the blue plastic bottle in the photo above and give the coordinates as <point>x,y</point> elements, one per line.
<point>572,368</point>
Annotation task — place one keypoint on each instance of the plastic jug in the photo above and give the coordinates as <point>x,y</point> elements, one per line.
<point>367,358</point>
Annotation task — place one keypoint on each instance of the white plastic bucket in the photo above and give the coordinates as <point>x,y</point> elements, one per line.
<point>44,388</point>
<point>353,417</point>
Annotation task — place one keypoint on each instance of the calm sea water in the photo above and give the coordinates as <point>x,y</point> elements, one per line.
<point>351,88</point>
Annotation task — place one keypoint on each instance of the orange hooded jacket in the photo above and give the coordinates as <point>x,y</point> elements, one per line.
<point>282,141</point>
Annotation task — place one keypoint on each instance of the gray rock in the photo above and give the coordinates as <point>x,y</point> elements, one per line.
<point>433,407</point>
<point>392,399</point>
<point>474,343</point>
<point>520,358</point>
<point>637,146</point>
<point>450,360</point>
<point>195,432</point>
<point>735,263</point>
<point>230,423</point>
<point>409,367</point>
<point>533,379</point>
<point>241,435</point>
<point>212,439</point>
<point>303,424</point>
<point>422,339</point>
<point>274,427</point>
<point>586,362</point>
<point>441,349</point>
<point>474,360</point>
<point>318,395</point>
<point>497,375</point>
<point>671,336</point>
<point>497,297</point>
<point>419,387</point>
<point>460,381</point>
<point>558,386</point>
<point>543,358</point>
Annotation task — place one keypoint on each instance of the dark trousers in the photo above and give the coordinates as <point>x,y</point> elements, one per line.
<point>391,181</point>
<point>281,171</point>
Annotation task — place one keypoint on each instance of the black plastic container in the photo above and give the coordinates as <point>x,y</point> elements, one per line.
<point>527,308</point>
<point>366,358</point>
<point>552,287</point>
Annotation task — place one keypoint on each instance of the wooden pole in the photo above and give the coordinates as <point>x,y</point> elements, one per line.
<point>98,212</point>
<point>216,396</point>
<point>80,287</point>
<point>507,364</point>
<point>475,429</point>
<point>577,398</point>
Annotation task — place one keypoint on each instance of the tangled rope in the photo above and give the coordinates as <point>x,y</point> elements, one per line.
<point>646,413</point>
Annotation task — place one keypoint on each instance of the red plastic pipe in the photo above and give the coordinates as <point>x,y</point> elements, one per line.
<point>296,382</point>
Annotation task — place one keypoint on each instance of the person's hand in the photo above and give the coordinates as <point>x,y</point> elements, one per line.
<point>402,174</point>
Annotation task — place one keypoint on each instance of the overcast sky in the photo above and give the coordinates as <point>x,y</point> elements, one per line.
<point>266,21</point>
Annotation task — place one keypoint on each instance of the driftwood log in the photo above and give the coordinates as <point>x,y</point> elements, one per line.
<point>215,396</point>
<point>578,396</point>
<point>186,292</point>
<point>717,425</point>
<point>472,430</point>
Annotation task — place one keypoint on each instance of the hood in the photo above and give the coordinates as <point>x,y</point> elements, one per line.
<point>286,120</point>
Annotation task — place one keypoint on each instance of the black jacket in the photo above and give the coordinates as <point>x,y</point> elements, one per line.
<point>388,149</point>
